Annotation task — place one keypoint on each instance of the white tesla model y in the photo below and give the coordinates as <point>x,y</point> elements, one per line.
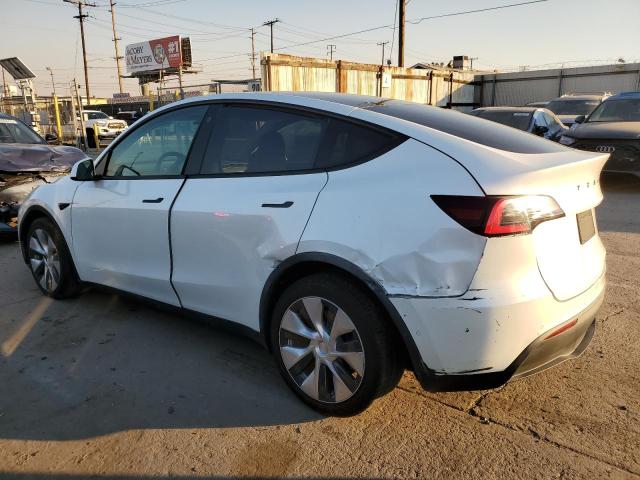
<point>356,236</point>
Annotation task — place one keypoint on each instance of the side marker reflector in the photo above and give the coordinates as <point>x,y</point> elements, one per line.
<point>561,329</point>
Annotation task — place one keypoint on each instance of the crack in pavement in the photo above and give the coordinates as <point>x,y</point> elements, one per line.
<point>471,411</point>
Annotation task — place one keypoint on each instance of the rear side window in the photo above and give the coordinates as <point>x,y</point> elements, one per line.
<point>248,139</point>
<point>348,143</point>
<point>466,126</point>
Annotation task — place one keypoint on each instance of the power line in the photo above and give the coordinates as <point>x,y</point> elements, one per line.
<point>479,10</point>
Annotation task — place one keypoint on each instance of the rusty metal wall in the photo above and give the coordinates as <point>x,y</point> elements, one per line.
<point>520,88</point>
<point>444,88</point>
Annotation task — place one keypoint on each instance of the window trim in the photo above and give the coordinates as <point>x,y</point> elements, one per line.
<point>104,162</point>
<point>395,138</point>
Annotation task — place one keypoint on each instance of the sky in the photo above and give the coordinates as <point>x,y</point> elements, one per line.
<point>43,33</point>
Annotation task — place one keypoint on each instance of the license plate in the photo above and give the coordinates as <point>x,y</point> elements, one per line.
<point>586,226</point>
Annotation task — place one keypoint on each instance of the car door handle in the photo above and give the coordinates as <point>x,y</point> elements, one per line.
<point>153,200</point>
<point>278,205</point>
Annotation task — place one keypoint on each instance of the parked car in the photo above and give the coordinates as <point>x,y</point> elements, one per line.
<point>355,236</point>
<point>106,127</point>
<point>129,116</point>
<point>539,121</point>
<point>571,105</point>
<point>612,128</point>
<point>26,162</point>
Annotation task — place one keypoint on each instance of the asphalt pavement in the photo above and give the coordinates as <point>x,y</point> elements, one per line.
<point>105,387</point>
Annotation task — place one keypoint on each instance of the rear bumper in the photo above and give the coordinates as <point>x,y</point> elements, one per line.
<point>563,342</point>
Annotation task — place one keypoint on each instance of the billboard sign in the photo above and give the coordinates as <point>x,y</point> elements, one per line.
<point>154,55</point>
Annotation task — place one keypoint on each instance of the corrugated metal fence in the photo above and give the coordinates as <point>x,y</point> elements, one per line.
<point>520,88</point>
<point>449,89</point>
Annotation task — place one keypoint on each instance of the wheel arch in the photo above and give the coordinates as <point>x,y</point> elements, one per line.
<point>33,213</point>
<point>307,263</point>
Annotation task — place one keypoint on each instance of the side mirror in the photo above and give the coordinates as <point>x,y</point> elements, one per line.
<point>580,119</point>
<point>540,130</point>
<point>83,171</point>
<point>51,138</point>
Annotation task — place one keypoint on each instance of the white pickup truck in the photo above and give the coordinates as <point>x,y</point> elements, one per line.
<point>106,127</point>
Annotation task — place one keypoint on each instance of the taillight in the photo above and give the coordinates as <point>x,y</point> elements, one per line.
<point>498,216</point>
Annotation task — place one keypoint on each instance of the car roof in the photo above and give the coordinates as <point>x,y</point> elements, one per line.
<point>419,121</point>
<point>625,96</point>
<point>577,97</point>
<point>509,109</point>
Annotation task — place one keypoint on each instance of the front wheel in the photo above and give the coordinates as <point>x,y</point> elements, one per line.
<point>49,260</point>
<point>333,344</point>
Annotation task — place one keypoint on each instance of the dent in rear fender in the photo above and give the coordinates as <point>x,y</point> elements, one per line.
<point>380,217</point>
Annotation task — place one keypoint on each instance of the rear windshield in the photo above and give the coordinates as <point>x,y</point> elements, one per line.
<point>466,126</point>
<point>519,120</point>
<point>573,107</point>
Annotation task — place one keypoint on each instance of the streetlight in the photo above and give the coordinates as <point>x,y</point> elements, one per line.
<point>53,84</point>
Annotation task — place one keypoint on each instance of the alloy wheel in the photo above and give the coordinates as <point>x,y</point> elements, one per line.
<point>321,349</point>
<point>44,259</point>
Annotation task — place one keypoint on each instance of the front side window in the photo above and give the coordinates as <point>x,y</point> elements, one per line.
<point>159,147</point>
<point>539,120</point>
<point>627,110</point>
<point>551,120</point>
<point>249,139</point>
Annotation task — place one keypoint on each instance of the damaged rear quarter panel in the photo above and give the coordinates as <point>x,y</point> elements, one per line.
<point>379,216</point>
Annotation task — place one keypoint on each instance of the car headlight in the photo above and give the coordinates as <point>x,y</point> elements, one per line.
<point>566,140</point>
<point>101,124</point>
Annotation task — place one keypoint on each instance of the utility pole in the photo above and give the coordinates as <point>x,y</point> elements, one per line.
<point>331,49</point>
<point>56,108</point>
<point>270,23</point>
<point>83,130</point>
<point>5,88</point>
<point>253,53</point>
<point>383,45</point>
<point>402,4</point>
<point>81,16</point>
<point>115,43</point>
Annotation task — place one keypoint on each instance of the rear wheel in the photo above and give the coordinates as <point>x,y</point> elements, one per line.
<point>49,260</point>
<point>333,344</point>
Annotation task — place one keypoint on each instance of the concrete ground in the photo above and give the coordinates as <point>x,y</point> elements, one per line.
<point>104,387</point>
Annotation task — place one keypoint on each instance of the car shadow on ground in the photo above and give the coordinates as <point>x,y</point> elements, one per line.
<point>623,216</point>
<point>102,363</point>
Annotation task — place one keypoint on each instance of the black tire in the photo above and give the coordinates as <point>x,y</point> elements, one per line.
<point>91,139</point>
<point>383,364</point>
<point>67,284</point>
